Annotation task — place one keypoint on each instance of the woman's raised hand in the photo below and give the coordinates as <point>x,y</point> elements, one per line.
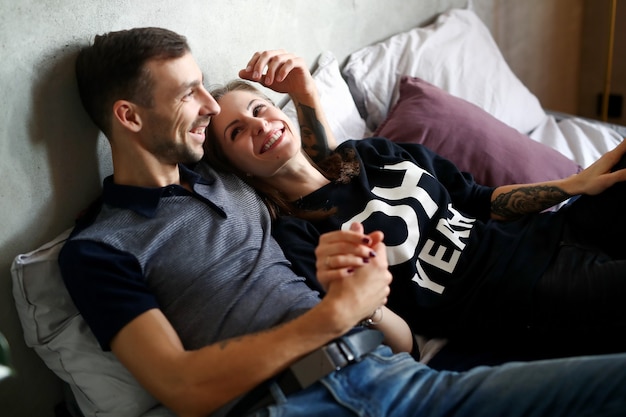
<point>281,71</point>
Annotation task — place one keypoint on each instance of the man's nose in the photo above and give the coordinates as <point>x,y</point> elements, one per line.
<point>210,105</point>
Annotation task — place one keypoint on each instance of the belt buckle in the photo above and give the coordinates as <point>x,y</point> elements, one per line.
<point>316,365</point>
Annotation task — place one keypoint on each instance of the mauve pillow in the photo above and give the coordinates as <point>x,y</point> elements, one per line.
<point>493,152</point>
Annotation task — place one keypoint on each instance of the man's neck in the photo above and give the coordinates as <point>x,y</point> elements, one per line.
<point>140,175</point>
<point>135,166</point>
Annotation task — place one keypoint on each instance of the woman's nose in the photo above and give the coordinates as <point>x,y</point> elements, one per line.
<point>259,125</point>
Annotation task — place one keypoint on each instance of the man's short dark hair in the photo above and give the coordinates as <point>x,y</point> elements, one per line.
<point>114,68</point>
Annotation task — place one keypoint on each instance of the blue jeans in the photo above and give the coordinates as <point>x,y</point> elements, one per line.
<point>384,384</point>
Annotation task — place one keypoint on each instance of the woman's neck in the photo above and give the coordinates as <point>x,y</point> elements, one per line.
<point>298,179</point>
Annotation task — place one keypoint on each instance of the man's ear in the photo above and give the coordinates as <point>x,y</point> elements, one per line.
<point>125,112</point>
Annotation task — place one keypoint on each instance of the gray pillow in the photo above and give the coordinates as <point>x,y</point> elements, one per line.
<point>56,331</point>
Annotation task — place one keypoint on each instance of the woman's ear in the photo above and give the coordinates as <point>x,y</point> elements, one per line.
<point>125,112</point>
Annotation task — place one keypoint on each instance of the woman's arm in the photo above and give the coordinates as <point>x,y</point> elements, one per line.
<point>512,201</point>
<point>398,335</point>
<point>287,73</point>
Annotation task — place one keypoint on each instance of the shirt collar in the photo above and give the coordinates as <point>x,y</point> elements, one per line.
<point>145,200</point>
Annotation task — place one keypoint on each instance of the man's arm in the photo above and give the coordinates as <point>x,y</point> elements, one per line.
<point>287,73</point>
<point>196,383</point>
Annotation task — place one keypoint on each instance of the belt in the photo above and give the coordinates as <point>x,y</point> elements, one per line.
<point>334,356</point>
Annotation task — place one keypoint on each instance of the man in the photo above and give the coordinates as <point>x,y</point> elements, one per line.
<point>177,274</point>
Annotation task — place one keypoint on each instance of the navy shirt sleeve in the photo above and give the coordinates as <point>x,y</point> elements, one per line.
<point>298,239</point>
<point>106,285</point>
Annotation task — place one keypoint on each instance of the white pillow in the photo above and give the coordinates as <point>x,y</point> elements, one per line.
<point>343,117</point>
<point>455,53</point>
<point>53,327</point>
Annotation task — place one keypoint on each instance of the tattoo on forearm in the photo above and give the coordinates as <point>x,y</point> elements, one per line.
<point>314,140</point>
<point>526,200</point>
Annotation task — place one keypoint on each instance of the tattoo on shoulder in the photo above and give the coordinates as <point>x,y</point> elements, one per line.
<point>526,200</point>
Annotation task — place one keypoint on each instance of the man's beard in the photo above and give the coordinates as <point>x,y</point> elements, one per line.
<point>175,153</point>
<point>168,149</point>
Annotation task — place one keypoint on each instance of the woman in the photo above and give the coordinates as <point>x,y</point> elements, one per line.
<point>468,261</point>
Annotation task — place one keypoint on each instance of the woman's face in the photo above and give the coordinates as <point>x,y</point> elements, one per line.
<point>257,137</point>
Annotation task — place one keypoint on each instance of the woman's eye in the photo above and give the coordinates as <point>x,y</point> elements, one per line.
<point>234,133</point>
<point>257,109</point>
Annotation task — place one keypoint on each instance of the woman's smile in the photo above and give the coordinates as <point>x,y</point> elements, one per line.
<point>274,139</point>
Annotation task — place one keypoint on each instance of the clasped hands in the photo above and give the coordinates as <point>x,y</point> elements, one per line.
<point>355,263</point>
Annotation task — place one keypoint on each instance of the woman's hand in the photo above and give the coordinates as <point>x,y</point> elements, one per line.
<point>281,71</point>
<point>600,175</point>
<point>340,252</point>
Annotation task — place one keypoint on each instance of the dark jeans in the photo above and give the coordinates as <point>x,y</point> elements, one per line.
<point>580,301</point>
<point>579,304</point>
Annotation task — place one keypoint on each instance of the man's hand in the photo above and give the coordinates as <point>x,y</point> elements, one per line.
<point>352,266</point>
<point>363,290</point>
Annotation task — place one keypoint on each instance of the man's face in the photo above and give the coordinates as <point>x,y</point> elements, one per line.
<point>174,127</point>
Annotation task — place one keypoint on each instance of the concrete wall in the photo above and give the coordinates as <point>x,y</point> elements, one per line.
<point>540,39</point>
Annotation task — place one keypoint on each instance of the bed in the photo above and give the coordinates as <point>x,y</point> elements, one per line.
<point>422,85</point>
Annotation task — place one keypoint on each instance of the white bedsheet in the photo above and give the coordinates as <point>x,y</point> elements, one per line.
<point>581,140</point>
